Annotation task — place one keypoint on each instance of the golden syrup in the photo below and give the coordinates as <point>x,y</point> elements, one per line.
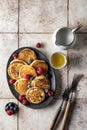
<point>58,60</point>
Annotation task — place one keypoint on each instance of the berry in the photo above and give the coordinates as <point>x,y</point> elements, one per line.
<point>10,112</point>
<point>11,108</point>
<point>15,55</point>
<point>46,90</point>
<point>46,95</point>
<point>17,73</point>
<point>39,70</point>
<point>50,93</point>
<point>10,104</point>
<point>26,76</point>
<point>16,108</point>
<point>7,107</point>
<point>29,61</point>
<point>48,76</point>
<point>11,81</point>
<point>29,86</point>
<point>21,97</point>
<point>31,77</point>
<point>38,45</point>
<point>24,101</point>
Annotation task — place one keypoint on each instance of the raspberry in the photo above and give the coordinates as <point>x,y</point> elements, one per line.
<point>11,81</point>
<point>24,101</point>
<point>21,97</point>
<point>15,55</point>
<point>39,70</point>
<point>50,93</point>
<point>38,45</point>
<point>10,112</point>
<point>26,76</point>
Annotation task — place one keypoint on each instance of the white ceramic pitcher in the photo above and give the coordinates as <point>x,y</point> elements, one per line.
<point>65,37</point>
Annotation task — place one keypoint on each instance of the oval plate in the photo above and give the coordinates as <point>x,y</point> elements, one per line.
<point>40,56</point>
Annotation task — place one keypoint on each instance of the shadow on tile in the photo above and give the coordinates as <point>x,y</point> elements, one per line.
<point>59,84</point>
<point>81,42</point>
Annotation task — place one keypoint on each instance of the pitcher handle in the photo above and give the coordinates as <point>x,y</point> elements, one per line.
<point>77,28</point>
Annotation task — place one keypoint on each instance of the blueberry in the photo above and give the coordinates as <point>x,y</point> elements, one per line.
<point>48,76</point>
<point>7,107</point>
<point>46,90</point>
<point>29,61</point>
<point>10,104</point>
<point>15,109</point>
<point>17,73</point>
<point>46,95</point>
<point>29,86</point>
<point>11,108</point>
<point>31,77</point>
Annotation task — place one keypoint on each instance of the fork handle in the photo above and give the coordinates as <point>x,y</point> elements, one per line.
<point>58,115</point>
<point>65,115</point>
<point>55,118</point>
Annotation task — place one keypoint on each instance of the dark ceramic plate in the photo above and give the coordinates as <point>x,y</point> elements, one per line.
<point>40,56</point>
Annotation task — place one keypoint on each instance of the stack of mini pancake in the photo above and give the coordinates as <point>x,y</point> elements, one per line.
<point>33,88</point>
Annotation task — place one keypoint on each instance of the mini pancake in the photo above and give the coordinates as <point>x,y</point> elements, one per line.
<point>40,63</point>
<point>21,86</point>
<point>27,54</point>
<point>27,69</point>
<point>41,82</point>
<point>13,69</point>
<point>35,95</point>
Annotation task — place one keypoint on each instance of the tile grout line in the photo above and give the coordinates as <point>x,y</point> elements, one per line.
<point>67,50</point>
<point>18,21</point>
<point>7,98</point>
<point>35,33</point>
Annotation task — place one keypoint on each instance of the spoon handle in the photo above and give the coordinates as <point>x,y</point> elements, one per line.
<point>77,28</point>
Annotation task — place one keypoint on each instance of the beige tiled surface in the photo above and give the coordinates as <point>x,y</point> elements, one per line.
<point>7,122</point>
<point>78,63</point>
<point>36,20</point>
<point>79,121</point>
<point>8,43</point>
<point>40,119</point>
<point>42,15</point>
<point>78,13</point>
<point>8,15</point>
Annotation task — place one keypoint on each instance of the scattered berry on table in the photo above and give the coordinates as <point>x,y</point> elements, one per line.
<point>26,76</point>
<point>11,108</point>
<point>38,45</point>
<point>7,108</point>
<point>11,81</point>
<point>15,55</point>
<point>39,70</point>
<point>10,112</point>
<point>50,93</point>
<point>21,97</point>
<point>24,101</point>
<point>10,104</point>
<point>15,109</point>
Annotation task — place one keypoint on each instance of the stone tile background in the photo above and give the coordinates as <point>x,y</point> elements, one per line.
<point>26,22</point>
